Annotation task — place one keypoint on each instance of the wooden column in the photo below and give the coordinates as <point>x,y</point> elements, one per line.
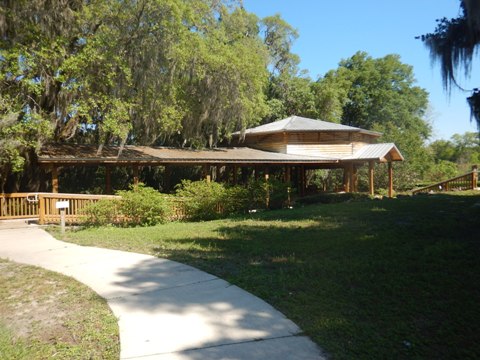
<point>347,177</point>
<point>54,179</point>
<point>207,173</point>
<point>354,181</point>
<point>136,176</point>
<point>108,180</point>
<point>301,182</point>
<point>371,167</point>
<point>390,179</point>
<point>267,193</point>
<point>288,173</point>
<point>474,176</point>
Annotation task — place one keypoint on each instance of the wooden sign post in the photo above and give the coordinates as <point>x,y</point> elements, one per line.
<point>62,205</point>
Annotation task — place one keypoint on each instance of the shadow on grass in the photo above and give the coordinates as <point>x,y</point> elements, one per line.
<point>394,278</point>
<point>371,279</point>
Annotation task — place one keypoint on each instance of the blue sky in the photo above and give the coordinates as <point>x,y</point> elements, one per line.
<point>334,30</point>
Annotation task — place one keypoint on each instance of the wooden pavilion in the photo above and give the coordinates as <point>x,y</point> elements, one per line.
<point>294,144</point>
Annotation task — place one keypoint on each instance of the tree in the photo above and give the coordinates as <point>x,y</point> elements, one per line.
<point>289,90</point>
<point>460,152</point>
<point>443,150</point>
<point>290,94</point>
<point>380,94</point>
<point>454,43</point>
<point>279,37</point>
<point>139,71</point>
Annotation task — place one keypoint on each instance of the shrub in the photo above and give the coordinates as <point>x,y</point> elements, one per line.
<point>144,205</point>
<point>235,200</point>
<point>210,200</point>
<point>102,212</point>
<point>271,194</point>
<point>202,199</point>
<point>140,205</point>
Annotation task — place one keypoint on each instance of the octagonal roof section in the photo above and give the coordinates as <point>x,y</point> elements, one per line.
<point>302,124</point>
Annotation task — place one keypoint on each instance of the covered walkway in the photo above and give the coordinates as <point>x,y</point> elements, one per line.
<point>230,160</point>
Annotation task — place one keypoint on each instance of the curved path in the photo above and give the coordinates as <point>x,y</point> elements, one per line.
<point>166,310</point>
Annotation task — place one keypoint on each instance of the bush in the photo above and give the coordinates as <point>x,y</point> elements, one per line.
<point>144,205</point>
<point>102,212</point>
<point>235,200</point>
<point>139,206</point>
<point>271,194</point>
<point>203,199</point>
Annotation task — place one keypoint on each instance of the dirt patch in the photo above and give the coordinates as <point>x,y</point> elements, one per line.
<point>40,306</point>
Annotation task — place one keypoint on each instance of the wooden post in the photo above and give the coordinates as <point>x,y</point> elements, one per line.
<point>206,173</point>
<point>136,178</point>
<point>390,179</point>
<point>474,176</point>
<point>288,173</point>
<point>371,167</point>
<point>108,180</point>
<point>41,209</point>
<point>267,192</point>
<point>301,180</point>
<point>54,179</point>
<point>347,178</point>
<point>62,220</point>
<point>354,181</point>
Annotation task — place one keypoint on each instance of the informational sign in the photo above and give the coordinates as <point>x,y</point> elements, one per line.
<point>62,204</point>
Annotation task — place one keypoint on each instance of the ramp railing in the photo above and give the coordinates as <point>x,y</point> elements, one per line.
<point>468,181</point>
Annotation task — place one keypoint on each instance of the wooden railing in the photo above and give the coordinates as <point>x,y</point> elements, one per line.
<point>19,205</point>
<point>48,213</point>
<point>467,181</point>
<point>178,208</point>
<point>42,206</point>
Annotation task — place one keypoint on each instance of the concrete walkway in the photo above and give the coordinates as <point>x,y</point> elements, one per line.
<point>166,310</point>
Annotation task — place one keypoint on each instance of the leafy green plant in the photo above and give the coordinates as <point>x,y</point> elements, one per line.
<point>203,199</point>
<point>102,212</point>
<point>143,205</point>
<point>271,194</point>
<point>209,200</point>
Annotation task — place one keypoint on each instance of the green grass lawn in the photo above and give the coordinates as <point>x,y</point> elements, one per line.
<point>45,315</point>
<point>372,279</point>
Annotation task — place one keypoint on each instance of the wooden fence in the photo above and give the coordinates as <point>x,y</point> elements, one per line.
<point>42,206</point>
<point>467,181</point>
<point>48,213</point>
<point>19,206</point>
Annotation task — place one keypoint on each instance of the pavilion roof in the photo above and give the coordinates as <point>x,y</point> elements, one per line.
<point>90,154</point>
